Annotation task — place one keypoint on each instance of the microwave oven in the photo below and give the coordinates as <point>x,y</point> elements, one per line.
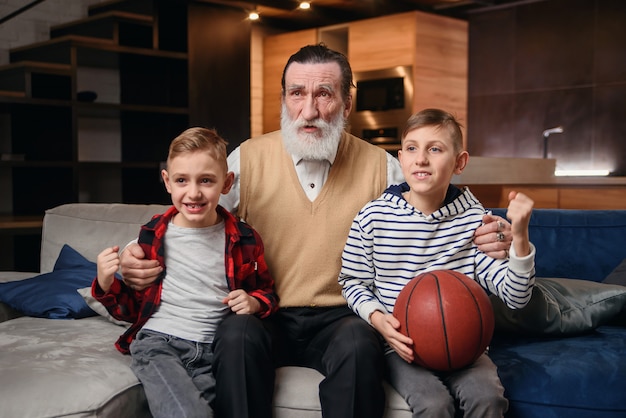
<point>383,102</point>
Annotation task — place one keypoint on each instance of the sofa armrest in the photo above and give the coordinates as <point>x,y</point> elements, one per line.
<point>6,312</point>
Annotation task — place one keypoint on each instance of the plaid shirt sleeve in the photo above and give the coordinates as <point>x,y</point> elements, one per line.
<point>121,301</point>
<point>129,305</point>
<point>246,267</point>
<point>260,283</point>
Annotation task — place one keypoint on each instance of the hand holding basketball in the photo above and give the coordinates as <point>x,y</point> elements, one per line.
<point>449,318</point>
<point>388,325</point>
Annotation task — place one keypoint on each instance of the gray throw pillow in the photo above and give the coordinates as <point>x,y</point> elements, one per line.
<point>561,307</point>
<point>618,275</point>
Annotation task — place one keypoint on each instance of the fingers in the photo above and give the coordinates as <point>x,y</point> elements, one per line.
<point>135,250</point>
<point>519,211</point>
<point>496,250</point>
<point>108,262</point>
<point>495,230</point>
<point>499,253</point>
<point>139,272</point>
<point>401,345</point>
<point>140,283</point>
<point>240,302</point>
<point>494,237</point>
<point>492,223</point>
<point>405,352</point>
<point>133,258</point>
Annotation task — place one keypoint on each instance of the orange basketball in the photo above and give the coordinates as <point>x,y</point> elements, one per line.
<point>449,317</point>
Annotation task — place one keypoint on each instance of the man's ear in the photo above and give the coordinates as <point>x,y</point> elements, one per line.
<point>461,162</point>
<point>228,183</point>
<point>347,106</point>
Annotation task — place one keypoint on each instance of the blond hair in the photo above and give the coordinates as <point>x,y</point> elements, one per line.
<point>438,118</point>
<point>199,139</point>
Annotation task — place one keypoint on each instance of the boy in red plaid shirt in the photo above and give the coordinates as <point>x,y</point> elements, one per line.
<point>213,266</point>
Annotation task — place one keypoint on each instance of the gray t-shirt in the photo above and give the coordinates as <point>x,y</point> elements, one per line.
<point>195,284</point>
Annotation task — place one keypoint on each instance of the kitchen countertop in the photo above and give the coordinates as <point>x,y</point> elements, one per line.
<point>528,171</point>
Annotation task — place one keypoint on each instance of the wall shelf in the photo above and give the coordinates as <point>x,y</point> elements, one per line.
<point>56,149</point>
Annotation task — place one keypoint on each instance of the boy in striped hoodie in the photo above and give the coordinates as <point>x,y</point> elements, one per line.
<point>428,224</point>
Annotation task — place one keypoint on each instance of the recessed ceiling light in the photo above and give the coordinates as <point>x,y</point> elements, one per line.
<point>304,5</point>
<point>253,15</point>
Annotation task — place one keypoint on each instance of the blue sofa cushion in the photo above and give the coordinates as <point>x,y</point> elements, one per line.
<point>562,237</point>
<point>618,275</point>
<point>573,377</point>
<point>562,307</point>
<point>53,295</point>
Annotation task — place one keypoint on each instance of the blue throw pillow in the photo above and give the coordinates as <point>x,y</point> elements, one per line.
<point>54,295</point>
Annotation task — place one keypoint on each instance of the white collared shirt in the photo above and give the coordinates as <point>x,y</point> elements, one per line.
<point>311,173</point>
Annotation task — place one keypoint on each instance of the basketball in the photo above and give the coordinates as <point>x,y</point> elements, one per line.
<point>449,317</point>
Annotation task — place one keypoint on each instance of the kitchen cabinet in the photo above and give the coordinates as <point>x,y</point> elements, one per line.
<point>276,51</point>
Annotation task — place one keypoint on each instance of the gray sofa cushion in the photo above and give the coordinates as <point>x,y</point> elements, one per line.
<point>71,368</point>
<point>296,395</point>
<point>66,368</point>
<point>89,228</point>
<point>560,307</point>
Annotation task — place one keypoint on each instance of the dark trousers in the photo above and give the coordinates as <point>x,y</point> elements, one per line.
<point>334,341</point>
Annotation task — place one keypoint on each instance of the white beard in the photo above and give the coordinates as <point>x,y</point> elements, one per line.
<point>321,146</point>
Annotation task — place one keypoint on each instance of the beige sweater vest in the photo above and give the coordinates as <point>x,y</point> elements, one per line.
<point>303,239</point>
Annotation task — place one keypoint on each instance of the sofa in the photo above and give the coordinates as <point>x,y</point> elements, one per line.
<point>64,362</point>
<point>564,356</point>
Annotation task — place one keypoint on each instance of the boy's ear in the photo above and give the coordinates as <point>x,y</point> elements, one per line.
<point>228,182</point>
<point>461,162</point>
<point>166,180</point>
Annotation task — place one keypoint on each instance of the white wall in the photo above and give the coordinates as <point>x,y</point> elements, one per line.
<point>34,24</point>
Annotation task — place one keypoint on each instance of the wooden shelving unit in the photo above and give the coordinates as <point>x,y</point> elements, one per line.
<point>58,147</point>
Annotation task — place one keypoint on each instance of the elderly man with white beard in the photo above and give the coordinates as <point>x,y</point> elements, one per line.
<point>300,188</point>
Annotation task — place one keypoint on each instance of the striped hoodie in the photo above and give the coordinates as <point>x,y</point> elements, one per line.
<point>390,242</point>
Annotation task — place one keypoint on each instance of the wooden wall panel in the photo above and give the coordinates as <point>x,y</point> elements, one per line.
<point>544,197</point>
<point>276,51</point>
<point>550,197</point>
<point>441,65</point>
<point>382,42</point>
<point>593,198</point>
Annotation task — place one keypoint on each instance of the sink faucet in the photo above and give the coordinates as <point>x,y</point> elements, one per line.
<point>546,135</point>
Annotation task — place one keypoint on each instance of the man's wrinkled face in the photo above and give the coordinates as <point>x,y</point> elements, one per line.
<point>313,111</point>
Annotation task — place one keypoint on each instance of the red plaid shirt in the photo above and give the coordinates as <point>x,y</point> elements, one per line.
<point>245,269</point>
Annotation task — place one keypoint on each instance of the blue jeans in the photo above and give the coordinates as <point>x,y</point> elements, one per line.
<point>176,375</point>
<point>476,389</point>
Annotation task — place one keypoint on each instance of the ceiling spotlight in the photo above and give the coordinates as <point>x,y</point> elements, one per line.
<point>304,5</point>
<point>254,15</point>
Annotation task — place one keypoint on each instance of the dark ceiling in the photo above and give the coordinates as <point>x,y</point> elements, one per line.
<point>286,14</point>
